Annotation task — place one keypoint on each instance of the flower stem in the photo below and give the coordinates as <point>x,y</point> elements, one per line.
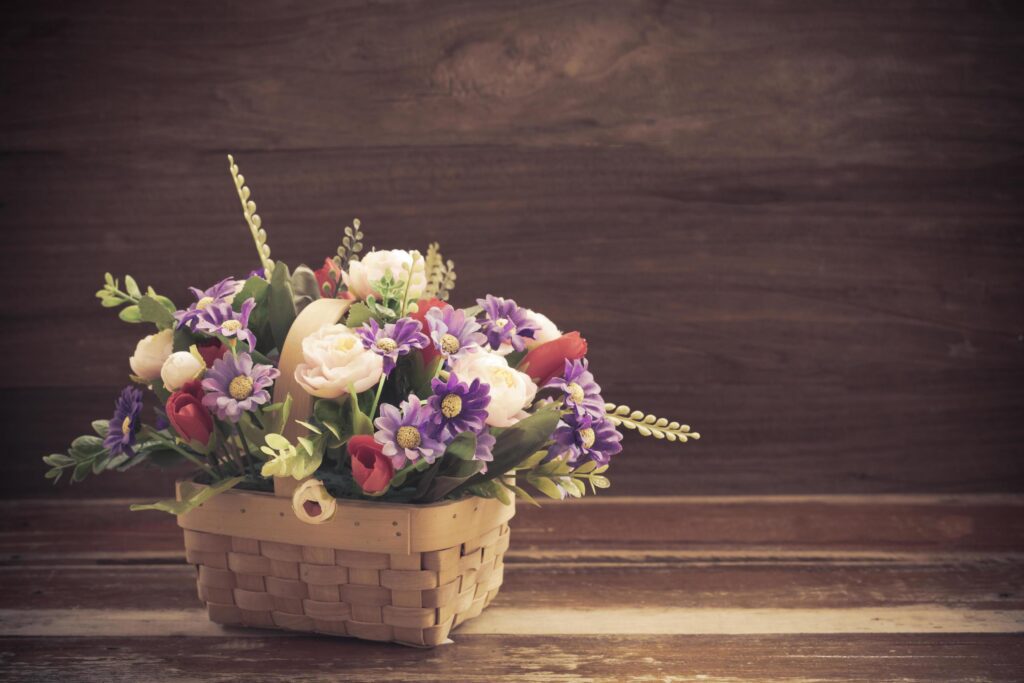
<point>248,452</point>
<point>175,447</point>
<point>376,399</point>
<point>408,281</point>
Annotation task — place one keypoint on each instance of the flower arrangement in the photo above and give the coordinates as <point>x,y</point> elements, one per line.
<point>411,399</point>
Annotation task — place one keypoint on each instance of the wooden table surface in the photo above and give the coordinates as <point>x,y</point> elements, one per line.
<point>759,588</point>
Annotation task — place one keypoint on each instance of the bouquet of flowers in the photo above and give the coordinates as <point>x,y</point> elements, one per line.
<point>407,398</point>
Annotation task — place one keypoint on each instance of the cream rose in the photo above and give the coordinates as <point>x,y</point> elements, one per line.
<point>334,360</point>
<point>179,368</point>
<point>548,330</point>
<point>373,266</point>
<point>150,354</point>
<point>511,390</point>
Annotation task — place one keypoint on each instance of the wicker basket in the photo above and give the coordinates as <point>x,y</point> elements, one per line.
<point>378,571</point>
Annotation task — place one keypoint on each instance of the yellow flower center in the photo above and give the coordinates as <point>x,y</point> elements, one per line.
<point>240,388</point>
<point>506,375</point>
<point>451,405</point>
<point>386,344</point>
<point>408,437</point>
<point>231,326</point>
<point>449,343</point>
<point>500,323</point>
<point>204,302</point>
<point>126,425</point>
<point>346,343</point>
<point>575,392</point>
<point>587,437</point>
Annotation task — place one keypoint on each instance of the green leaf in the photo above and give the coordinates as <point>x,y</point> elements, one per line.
<point>132,287</point>
<point>281,304</point>
<point>518,442</point>
<point>130,314</point>
<point>152,311</point>
<point>361,423</point>
<point>462,446</point>
<point>358,313</point>
<point>520,492</point>
<point>87,445</point>
<point>191,497</point>
<point>101,427</point>
<point>546,486</point>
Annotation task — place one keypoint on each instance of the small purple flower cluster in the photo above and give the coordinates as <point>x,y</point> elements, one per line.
<point>584,433</point>
<point>423,429</point>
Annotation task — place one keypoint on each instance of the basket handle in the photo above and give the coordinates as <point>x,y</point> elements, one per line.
<point>314,316</point>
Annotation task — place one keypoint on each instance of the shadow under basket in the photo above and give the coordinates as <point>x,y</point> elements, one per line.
<point>377,571</point>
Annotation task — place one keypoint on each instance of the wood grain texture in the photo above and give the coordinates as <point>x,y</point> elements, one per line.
<point>795,225</point>
<point>844,601</point>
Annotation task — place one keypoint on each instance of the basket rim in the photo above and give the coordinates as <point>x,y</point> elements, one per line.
<point>356,525</point>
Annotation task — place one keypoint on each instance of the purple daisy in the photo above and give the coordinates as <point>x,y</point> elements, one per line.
<point>506,322</point>
<point>221,319</point>
<point>459,407</point>
<point>122,427</point>
<point>484,444</point>
<point>235,385</point>
<point>407,434</point>
<point>393,340</point>
<point>222,292</point>
<point>580,392</point>
<point>453,333</point>
<point>584,438</point>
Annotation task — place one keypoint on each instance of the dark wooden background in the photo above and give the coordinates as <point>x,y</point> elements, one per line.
<point>796,225</point>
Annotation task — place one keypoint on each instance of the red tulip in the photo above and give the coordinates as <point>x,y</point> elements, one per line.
<point>429,352</point>
<point>211,350</point>
<point>548,360</point>
<point>187,415</point>
<point>371,469</point>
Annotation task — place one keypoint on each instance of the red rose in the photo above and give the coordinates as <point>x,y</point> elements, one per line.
<point>429,352</point>
<point>548,360</point>
<point>371,469</point>
<point>211,350</point>
<point>328,280</point>
<point>188,416</point>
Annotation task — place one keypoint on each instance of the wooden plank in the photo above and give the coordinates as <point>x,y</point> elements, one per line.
<point>992,582</point>
<point>732,659</point>
<point>897,523</point>
<point>541,621</point>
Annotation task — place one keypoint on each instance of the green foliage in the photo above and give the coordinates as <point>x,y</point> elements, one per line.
<point>386,307</point>
<point>281,304</point>
<point>111,296</point>
<point>358,313</point>
<point>290,460</point>
<point>440,273</point>
<point>351,245</point>
<point>304,287</point>
<point>451,470</point>
<point>648,425</point>
<point>517,443</point>
<point>192,496</point>
<point>154,311</point>
<point>252,219</point>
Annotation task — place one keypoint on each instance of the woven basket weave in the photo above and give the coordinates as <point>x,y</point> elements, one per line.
<point>376,571</point>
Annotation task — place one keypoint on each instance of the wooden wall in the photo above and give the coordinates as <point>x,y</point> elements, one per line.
<point>797,225</point>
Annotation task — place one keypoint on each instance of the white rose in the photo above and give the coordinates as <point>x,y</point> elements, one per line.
<point>548,330</point>
<point>150,354</point>
<point>335,359</point>
<point>376,264</point>
<point>511,390</point>
<point>179,368</point>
